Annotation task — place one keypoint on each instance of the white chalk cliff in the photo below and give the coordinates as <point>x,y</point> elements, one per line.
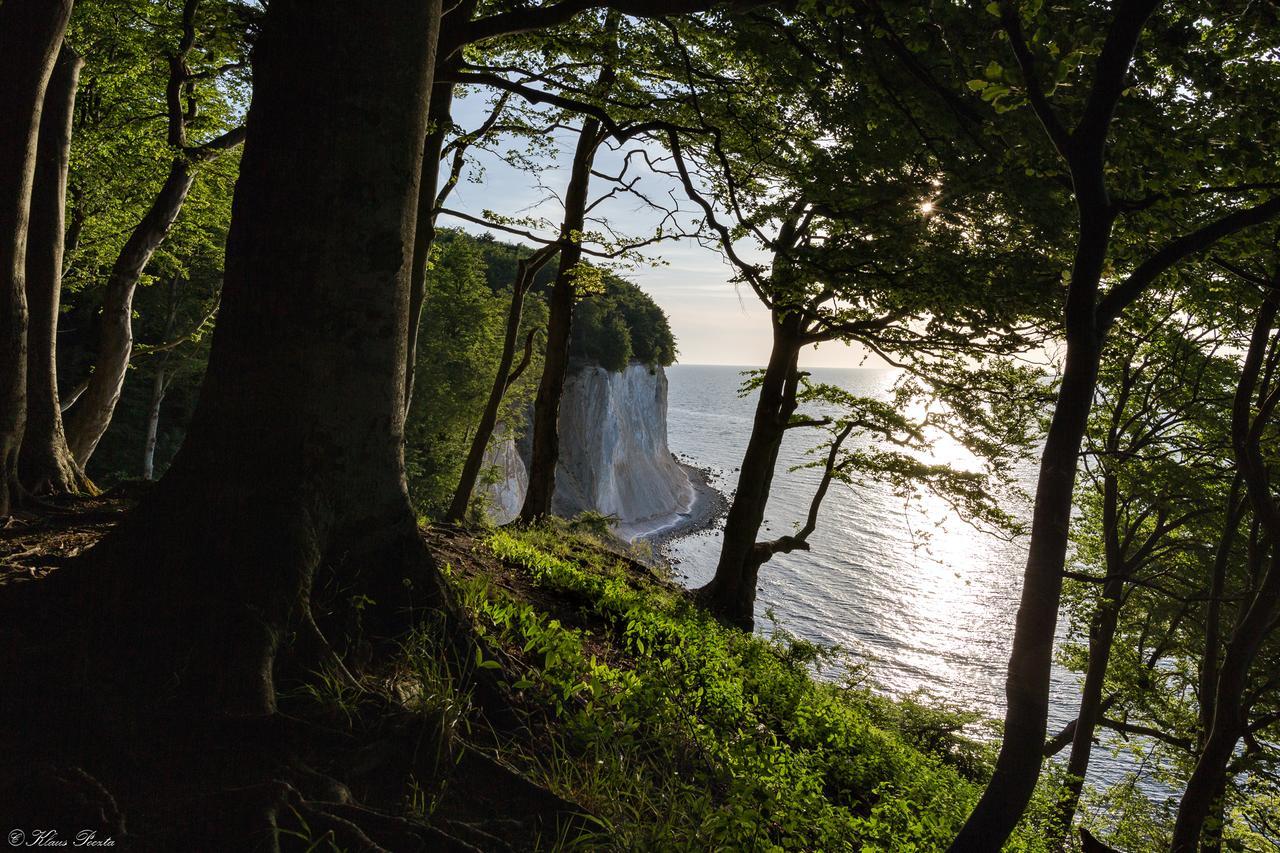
<point>613,454</point>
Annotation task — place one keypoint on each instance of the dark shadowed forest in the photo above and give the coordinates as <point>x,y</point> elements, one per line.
<point>334,476</point>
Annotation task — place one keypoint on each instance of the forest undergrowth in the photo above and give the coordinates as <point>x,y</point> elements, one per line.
<point>638,721</point>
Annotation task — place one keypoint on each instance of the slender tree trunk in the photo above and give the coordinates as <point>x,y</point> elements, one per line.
<point>45,464</point>
<point>294,457</point>
<point>30,34</point>
<point>91,416</point>
<point>158,386</point>
<point>1208,780</point>
<point>546,407</point>
<point>439,120</point>
<point>1030,661</point>
<point>731,593</point>
<point>1102,632</point>
<point>1213,608</point>
<point>527,269</point>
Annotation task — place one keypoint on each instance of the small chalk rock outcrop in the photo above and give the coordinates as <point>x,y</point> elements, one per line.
<point>614,457</point>
<point>505,478</point>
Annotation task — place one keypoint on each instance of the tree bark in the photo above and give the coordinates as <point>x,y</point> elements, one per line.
<point>158,386</point>
<point>294,458</point>
<point>731,593</point>
<point>527,269</point>
<point>1030,661</point>
<point>1258,613</point>
<point>45,463</point>
<point>1102,632</point>
<point>439,119</point>
<point>546,406</point>
<point>30,34</point>
<point>1213,608</point>
<point>91,416</point>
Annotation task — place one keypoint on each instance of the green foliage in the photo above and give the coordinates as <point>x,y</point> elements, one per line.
<point>621,324</point>
<point>678,733</point>
<point>1160,443</point>
<point>599,337</point>
<point>459,346</point>
<point>120,156</point>
<point>460,343</point>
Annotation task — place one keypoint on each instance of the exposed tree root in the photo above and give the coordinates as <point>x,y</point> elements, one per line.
<point>155,777</point>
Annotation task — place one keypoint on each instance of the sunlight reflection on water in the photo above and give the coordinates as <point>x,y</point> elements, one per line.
<point>926,599</point>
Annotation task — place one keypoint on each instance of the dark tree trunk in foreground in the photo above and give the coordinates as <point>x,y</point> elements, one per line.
<point>30,35</point>
<point>546,407</point>
<point>294,456</point>
<point>1258,611</point>
<point>45,464</point>
<point>526,271</point>
<point>731,593</point>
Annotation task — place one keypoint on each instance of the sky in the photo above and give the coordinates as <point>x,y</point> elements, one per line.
<point>714,320</point>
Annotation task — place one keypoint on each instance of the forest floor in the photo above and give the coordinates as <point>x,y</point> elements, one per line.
<point>629,719</point>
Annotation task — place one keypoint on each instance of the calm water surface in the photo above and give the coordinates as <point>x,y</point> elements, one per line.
<point>926,599</point>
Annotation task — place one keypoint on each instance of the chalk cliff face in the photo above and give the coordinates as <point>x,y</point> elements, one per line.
<point>613,453</point>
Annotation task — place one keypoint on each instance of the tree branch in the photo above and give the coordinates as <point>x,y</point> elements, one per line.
<point>1011,21</point>
<point>553,14</point>
<point>524,359</point>
<point>1124,293</point>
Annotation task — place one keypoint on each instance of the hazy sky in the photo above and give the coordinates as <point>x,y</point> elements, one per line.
<point>715,321</point>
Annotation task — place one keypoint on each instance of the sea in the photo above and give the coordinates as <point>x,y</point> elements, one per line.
<point>920,601</point>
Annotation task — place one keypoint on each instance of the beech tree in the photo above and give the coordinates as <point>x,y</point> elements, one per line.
<point>870,237</point>
<point>1153,474</point>
<point>195,75</point>
<point>564,293</point>
<point>1252,437</point>
<point>293,463</point>
<point>30,36</point>
<point>507,374</point>
<point>45,463</point>
<point>1212,199</point>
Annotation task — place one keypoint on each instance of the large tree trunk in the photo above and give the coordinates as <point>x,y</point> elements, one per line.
<point>45,464</point>
<point>546,406</point>
<point>1030,661</point>
<point>731,593</point>
<point>91,416</point>
<point>294,457</point>
<point>30,34</point>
